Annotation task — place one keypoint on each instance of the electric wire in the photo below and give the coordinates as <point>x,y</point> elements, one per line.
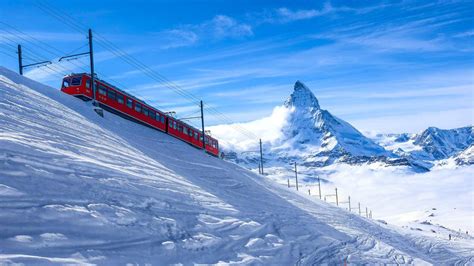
<point>102,41</point>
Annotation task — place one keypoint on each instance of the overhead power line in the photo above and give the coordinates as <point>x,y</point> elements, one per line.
<point>143,68</point>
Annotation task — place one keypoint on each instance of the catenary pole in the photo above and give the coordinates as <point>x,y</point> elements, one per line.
<point>20,60</point>
<point>91,59</point>
<point>202,126</point>
<point>349,200</point>
<point>296,177</point>
<point>261,156</point>
<point>319,182</point>
<point>337,199</point>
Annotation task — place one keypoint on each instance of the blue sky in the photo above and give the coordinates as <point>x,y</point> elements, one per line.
<point>382,66</point>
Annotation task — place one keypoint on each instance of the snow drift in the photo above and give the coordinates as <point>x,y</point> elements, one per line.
<point>78,188</point>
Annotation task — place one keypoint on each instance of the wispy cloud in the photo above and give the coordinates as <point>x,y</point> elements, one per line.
<point>285,15</point>
<point>218,28</point>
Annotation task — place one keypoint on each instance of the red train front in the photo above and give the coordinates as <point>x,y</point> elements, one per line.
<point>121,103</point>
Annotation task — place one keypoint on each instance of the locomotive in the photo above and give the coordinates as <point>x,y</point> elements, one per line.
<point>130,107</point>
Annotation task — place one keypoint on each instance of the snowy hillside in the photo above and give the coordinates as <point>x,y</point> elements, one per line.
<point>78,188</point>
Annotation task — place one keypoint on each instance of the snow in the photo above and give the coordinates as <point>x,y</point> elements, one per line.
<point>81,189</point>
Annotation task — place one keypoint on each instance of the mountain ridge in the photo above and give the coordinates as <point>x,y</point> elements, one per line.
<point>317,138</point>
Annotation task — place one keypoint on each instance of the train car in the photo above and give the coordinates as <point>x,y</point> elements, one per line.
<point>119,102</point>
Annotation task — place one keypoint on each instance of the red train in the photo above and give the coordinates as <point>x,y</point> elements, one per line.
<point>121,103</point>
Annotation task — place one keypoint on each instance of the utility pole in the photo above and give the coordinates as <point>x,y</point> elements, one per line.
<point>288,182</point>
<point>319,182</point>
<point>359,209</point>
<point>296,177</point>
<point>202,125</point>
<point>349,200</point>
<point>261,155</point>
<point>366,212</point>
<point>91,59</point>
<point>20,60</point>
<point>309,192</point>
<point>370,214</point>
<point>337,199</point>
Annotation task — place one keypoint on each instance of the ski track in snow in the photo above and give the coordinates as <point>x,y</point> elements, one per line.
<point>76,188</point>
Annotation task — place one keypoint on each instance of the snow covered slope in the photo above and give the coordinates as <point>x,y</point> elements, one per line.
<point>78,188</point>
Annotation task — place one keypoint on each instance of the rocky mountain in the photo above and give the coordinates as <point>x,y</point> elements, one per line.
<point>444,143</point>
<point>433,144</point>
<point>318,135</point>
<point>317,138</point>
<point>466,157</point>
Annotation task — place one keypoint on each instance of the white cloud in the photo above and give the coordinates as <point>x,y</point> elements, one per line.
<point>398,196</point>
<point>224,26</point>
<point>286,15</point>
<point>219,27</point>
<point>268,129</point>
<point>178,38</point>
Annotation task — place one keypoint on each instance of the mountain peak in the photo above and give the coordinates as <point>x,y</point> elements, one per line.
<point>302,97</point>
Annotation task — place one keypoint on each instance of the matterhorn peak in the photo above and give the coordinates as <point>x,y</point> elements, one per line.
<point>302,97</point>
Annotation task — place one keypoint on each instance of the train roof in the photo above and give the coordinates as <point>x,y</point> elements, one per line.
<point>116,88</point>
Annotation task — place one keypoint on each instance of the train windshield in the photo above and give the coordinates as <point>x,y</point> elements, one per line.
<point>72,81</point>
<point>66,82</point>
<point>76,81</point>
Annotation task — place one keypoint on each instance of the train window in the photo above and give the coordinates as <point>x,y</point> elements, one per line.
<point>138,107</point>
<point>157,117</point>
<point>112,94</point>
<point>66,83</point>
<point>185,130</point>
<point>145,111</point>
<point>162,118</point>
<point>102,90</point>
<point>180,128</point>
<point>170,123</point>
<point>175,126</point>
<point>196,135</point>
<point>153,115</point>
<point>76,81</point>
<point>129,103</point>
<point>120,98</point>
<point>190,133</point>
<point>88,83</point>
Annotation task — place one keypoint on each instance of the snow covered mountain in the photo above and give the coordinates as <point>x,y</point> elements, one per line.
<point>432,145</point>
<point>76,188</point>
<point>316,132</point>
<point>315,137</point>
